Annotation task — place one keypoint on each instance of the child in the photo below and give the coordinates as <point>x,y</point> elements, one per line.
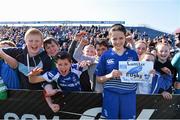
<point>66,76</point>
<point>162,64</point>
<point>91,54</point>
<point>86,52</point>
<point>159,81</point>
<point>51,47</point>
<point>141,47</point>
<point>9,75</point>
<point>101,46</point>
<point>29,57</point>
<point>119,98</point>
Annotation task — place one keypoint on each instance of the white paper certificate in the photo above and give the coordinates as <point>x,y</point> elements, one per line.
<point>136,71</point>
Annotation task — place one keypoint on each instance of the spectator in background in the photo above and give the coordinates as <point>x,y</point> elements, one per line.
<point>64,46</point>
<point>84,78</point>
<point>86,52</point>
<point>177,40</point>
<point>101,46</point>
<point>176,64</point>
<point>141,47</point>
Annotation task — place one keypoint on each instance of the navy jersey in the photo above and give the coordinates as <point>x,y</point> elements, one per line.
<point>69,82</point>
<point>109,61</point>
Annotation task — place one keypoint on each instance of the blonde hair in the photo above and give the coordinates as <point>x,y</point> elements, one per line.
<point>33,31</point>
<point>140,41</point>
<point>162,44</point>
<point>147,53</point>
<point>90,45</point>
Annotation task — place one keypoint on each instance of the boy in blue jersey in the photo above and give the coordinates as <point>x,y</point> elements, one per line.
<point>119,98</point>
<point>65,74</point>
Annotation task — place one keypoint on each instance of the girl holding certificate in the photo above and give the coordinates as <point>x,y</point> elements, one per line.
<point>119,98</point>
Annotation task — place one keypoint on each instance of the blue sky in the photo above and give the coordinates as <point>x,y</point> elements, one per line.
<point>159,14</point>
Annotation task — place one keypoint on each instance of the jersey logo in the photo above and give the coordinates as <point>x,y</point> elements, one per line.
<point>50,75</point>
<point>110,61</point>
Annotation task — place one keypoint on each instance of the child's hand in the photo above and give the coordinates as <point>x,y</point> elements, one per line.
<point>85,63</point>
<point>78,37</point>
<point>153,71</point>
<point>55,107</point>
<point>129,39</point>
<point>35,71</point>
<point>115,74</point>
<point>84,41</point>
<point>166,95</point>
<point>166,70</point>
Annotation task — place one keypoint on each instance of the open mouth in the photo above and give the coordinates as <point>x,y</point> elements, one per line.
<point>34,48</point>
<point>163,56</point>
<point>64,72</point>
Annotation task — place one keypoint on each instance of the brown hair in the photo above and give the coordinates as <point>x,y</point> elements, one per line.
<point>49,40</point>
<point>62,55</point>
<point>118,27</point>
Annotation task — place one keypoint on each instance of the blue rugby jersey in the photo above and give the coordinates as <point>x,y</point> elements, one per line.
<point>109,61</point>
<point>69,82</point>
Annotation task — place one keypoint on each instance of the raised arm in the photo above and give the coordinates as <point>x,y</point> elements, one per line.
<point>10,60</point>
<point>73,44</point>
<point>78,52</point>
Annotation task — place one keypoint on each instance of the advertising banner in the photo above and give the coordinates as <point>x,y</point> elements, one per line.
<point>25,104</point>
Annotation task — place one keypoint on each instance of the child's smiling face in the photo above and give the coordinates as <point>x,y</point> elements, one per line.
<point>63,66</point>
<point>52,49</point>
<point>34,44</point>
<point>163,52</point>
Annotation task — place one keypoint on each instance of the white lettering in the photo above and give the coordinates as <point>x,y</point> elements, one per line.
<point>9,116</point>
<point>28,116</point>
<point>145,114</point>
